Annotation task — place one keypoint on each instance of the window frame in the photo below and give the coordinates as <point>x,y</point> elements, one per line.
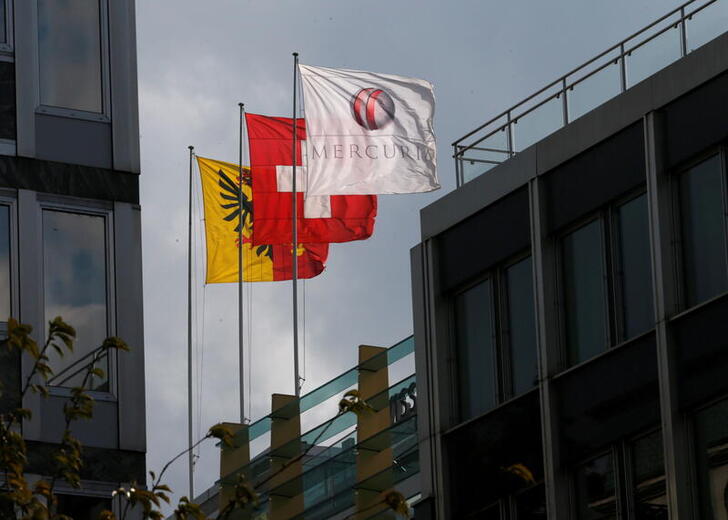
<point>614,298</point>
<point>105,58</point>
<point>7,199</point>
<point>502,379</point>
<point>66,205</point>
<point>679,274</point>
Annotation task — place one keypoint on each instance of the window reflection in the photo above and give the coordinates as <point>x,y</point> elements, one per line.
<point>521,326</point>
<point>5,294</point>
<point>595,489</point>
<point>69,53</point>
<point>711,435</point>
<point>703,234</point>
<point>531,504</point>
<point>74,265</point>
<point>476,349</point>
<point>648,470</point>
<point>3,22</point>
<point>634,271</point>
<point>584,292</point>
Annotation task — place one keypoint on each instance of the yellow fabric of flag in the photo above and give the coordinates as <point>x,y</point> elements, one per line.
<point>220,191</point>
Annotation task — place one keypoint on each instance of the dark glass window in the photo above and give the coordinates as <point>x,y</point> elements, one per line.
<point>3,23</point>
<point>69,54</point>
<point>75,274</point>
<point>648,477</point>
<point>82,507</point>
<point>595,489</point>
<point>703,231</point>
<point>5,293</point>
<point>634,273</point>
<point>496,338</point>
<point>476,349</point>
<point>521,326</point>
<point>585,292</point>
<point>606,280</point>
<point>711,453</point>
<point>530,504</point>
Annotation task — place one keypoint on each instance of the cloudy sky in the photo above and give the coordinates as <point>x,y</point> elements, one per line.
<point>197,60</point>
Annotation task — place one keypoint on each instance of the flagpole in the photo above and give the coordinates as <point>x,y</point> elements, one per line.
<point>241,357</point>
<point>297,379</point>
<point>190,456</point>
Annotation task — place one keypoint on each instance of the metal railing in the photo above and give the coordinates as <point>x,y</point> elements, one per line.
<point>577,92</point>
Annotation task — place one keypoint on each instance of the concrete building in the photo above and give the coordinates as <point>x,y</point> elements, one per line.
<point>70,237</point>
<point>570,297</point>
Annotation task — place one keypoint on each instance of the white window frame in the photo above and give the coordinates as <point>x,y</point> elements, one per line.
<point>105,114</point>
<point>11,202</point>
<point>68,205</point>
<point>6,49</point>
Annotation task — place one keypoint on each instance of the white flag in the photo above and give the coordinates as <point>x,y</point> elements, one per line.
<point>368,133</point>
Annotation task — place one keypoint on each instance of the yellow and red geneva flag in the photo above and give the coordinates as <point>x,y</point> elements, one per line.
<point>261,263</point>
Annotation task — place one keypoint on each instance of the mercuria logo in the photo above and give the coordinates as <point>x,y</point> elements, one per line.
<point>373,108</point>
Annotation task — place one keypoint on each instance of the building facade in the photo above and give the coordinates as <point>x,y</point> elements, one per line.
<point>570,303</point>
<point>70,234</point>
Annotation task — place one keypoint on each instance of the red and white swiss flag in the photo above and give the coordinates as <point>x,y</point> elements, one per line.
<point>321,219</point>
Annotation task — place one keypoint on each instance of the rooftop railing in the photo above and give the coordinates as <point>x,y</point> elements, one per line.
<point>579,91</point>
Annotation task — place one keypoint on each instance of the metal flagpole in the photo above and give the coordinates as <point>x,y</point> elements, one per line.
<point>190,456</point>
<point>241,358</point>
<point>295,240</point>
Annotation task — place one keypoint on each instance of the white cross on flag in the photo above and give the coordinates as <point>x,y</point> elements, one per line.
<point>368,133</point>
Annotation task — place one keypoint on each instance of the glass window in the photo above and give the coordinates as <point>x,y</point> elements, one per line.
<point>711,438</point>
<point>5,293</point>
<point>3,22</point>
<point>476,349</point>
<point>634,271</point>
<point>69,54</point>
<point>521,326</point>
<point>584,292</point>
<point>74,266</point>
<point>703,233</point>
<point>530,504</point>
<point>648,477</point>
<point>595,489</point>
<point>82,507</point>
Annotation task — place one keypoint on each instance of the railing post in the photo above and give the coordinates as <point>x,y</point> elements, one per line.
<point>683,34</point>
<point>565,103</point>
<point>458,166</point>
<point>509,135</point>
<point>622,67</point>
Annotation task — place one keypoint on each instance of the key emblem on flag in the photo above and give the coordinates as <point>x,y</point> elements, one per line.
<point>373,108</point>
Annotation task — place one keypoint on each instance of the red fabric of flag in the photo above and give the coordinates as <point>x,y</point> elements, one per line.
<point>322,219</point>
<point>311,260</point>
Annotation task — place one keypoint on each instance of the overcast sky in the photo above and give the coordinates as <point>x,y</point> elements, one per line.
<point>197,60</point>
